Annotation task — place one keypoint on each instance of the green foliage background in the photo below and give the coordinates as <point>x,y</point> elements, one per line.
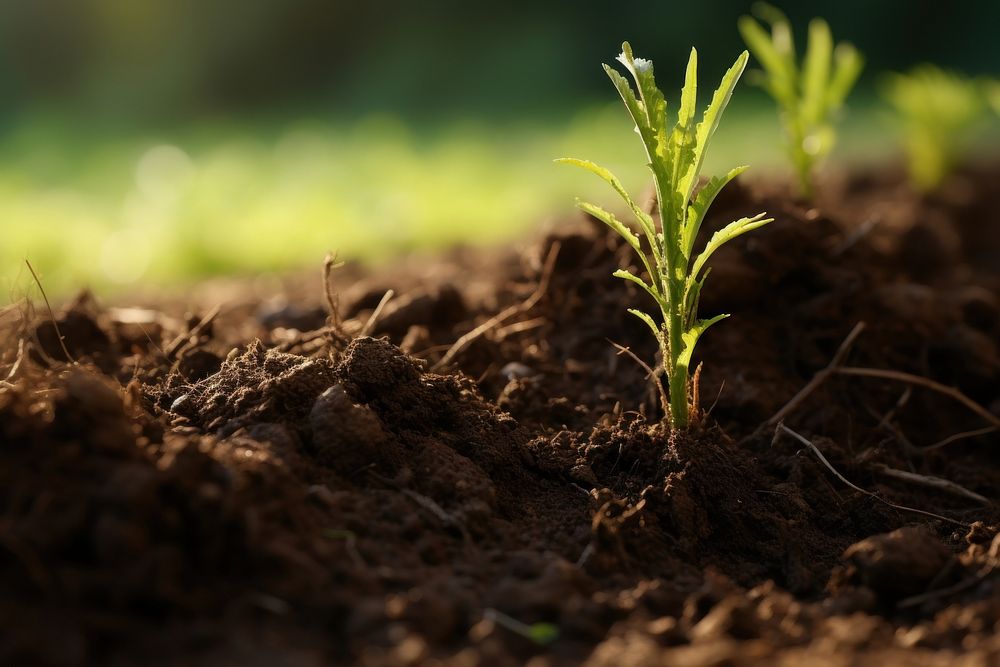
<point>165,140</point>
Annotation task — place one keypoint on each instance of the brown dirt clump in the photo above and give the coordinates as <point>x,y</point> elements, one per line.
<point>261,484</point>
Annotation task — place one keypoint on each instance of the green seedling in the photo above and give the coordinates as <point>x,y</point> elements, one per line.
<point>938,110</point>
<point>808,95</point>
<point>542,634</point>
<point>993,94</point>
<point>674,275</point>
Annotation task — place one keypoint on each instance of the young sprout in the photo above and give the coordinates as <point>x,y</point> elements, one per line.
<point>938,111</point>
<point>808,96</point>
<point>993,94</point>
<point>674,274</point>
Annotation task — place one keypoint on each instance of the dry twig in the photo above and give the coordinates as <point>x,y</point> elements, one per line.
<point>52,316</point>
<point>921,381</point>
<point>939,483</point>
<point>820,377</point>
<point>966,584</point>
<point>835,367</point>
<point>369,326</point>
<point>192,335</point>
<point>650,373</point>
<point>426,503</point>
<point>543,285</point>
<point>781,428</point>
<point>521,327</point>
<point>335,330</point>
<point>961,436</point>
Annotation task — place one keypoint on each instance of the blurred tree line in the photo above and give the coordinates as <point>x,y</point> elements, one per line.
<point>151,61</point>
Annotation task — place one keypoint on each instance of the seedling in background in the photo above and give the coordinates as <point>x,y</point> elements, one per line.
<point>542,634</point>
<point>993,94</point>
<point>674,276</point>
<point>808,96</point>
<point>938,111</point>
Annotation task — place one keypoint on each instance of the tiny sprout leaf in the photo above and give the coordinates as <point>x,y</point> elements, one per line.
<point>992,91</point>
<point>543,634</point>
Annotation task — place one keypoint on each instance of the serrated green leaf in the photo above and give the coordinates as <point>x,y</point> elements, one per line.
<point>690,338</point>
<point>611,221</point>
<point>710,121</point>
<point>702,202</point>
<point>682,148</point>
<point>652,98</point>
<point>650,322</point>
<point>634,106</point>
<point>622,230</point>
<point>644,219</point>
<point>726,234</point>
<point>692,296</point>
<point>653,104</point>
<point>631,277</point>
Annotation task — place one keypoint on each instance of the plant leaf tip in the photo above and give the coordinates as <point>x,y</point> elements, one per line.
<point>669,269</point>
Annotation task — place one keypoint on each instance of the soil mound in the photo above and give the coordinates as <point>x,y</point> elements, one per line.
<point>484,479</point>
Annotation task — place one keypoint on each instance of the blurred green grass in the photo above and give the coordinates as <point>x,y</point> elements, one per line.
<point>113,210</point>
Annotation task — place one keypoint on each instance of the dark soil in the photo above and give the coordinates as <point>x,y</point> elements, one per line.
<point>271,486</point>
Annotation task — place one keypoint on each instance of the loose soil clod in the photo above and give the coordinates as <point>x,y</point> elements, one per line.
<point>247,491</point>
